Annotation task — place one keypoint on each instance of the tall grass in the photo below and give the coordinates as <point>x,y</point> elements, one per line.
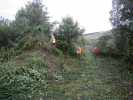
<point>48,74</point>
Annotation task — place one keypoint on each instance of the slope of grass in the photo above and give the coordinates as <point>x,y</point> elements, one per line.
<point>41,75</point>
<point>93,38</point>
<point>97,35</point>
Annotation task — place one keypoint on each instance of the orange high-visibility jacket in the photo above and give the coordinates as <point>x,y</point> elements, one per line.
<point>79,50</point>
<point>53,39</point>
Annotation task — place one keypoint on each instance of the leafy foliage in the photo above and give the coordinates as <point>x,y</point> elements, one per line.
<point>36,77</point>
<point>29,18</point>
<point>5,33</point>
<point>121,12</point>
<point>107,47</point>
<point>67,32</point>
<point>81,41</point>
<point>124,42</point>
<point>127,10</point>
<point>17,81</point>
<point>31,68</point>
<point>121,19</point>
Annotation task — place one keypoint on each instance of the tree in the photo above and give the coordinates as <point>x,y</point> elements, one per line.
<point>115,13</point>
<point>122,12</point>
<point>68,31</point>
<point>5,32</point>
<point>127,10</point>
<point>31,16</point>
<point>121,17</point>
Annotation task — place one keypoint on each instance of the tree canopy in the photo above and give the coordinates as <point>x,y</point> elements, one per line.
<point>68,31</point>
<point>30,16</point>
<point>121,17</point>
<point>122,12</point>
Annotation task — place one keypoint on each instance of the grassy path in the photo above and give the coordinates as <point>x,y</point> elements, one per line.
<point>99,79</point>
<point>44,76</point>
<point>94,79</point>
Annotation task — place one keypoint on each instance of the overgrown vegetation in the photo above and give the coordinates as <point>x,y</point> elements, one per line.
<point>121,19</point>
<point>67,33</point>
<point>120,43</point>
<point>31,68</point>
<point>38,74</point>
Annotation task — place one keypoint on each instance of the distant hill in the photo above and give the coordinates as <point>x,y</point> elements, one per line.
<point>90,33</point>
<point>94,33</point>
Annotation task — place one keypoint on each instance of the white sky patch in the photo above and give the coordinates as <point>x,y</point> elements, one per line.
<point>93,15</point>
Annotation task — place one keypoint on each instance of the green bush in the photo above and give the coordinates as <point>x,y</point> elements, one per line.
<point>81,41</point>
<point>18,82</point>
<point>63,46</point>
<point>56,51</point>
<point>30,41</point>
<point>124,42</point>
<point>106,44</point>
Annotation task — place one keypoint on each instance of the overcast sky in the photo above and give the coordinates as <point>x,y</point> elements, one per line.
<point>93,15</point>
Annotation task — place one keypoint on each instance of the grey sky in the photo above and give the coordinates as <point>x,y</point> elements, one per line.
<point>93,15</point>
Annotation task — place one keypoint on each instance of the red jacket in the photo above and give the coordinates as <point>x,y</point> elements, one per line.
<point>96,50</point>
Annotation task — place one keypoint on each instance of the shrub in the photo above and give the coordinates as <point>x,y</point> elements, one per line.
<point>106,44</point>
<point>56,51</point>
<point>18,82</point>
<point>63,46</point>
<point>81,41</point>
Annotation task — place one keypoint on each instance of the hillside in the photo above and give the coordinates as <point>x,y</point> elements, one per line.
<point>87,34</point>
<point>38,58</point>
<point>94,33</point>
<point>92,38</point>
<point>39,74</point>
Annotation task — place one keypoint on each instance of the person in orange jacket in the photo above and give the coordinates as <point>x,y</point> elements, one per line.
<point>53,39</point>
<point>95,51</point>
<point>78,52</point>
